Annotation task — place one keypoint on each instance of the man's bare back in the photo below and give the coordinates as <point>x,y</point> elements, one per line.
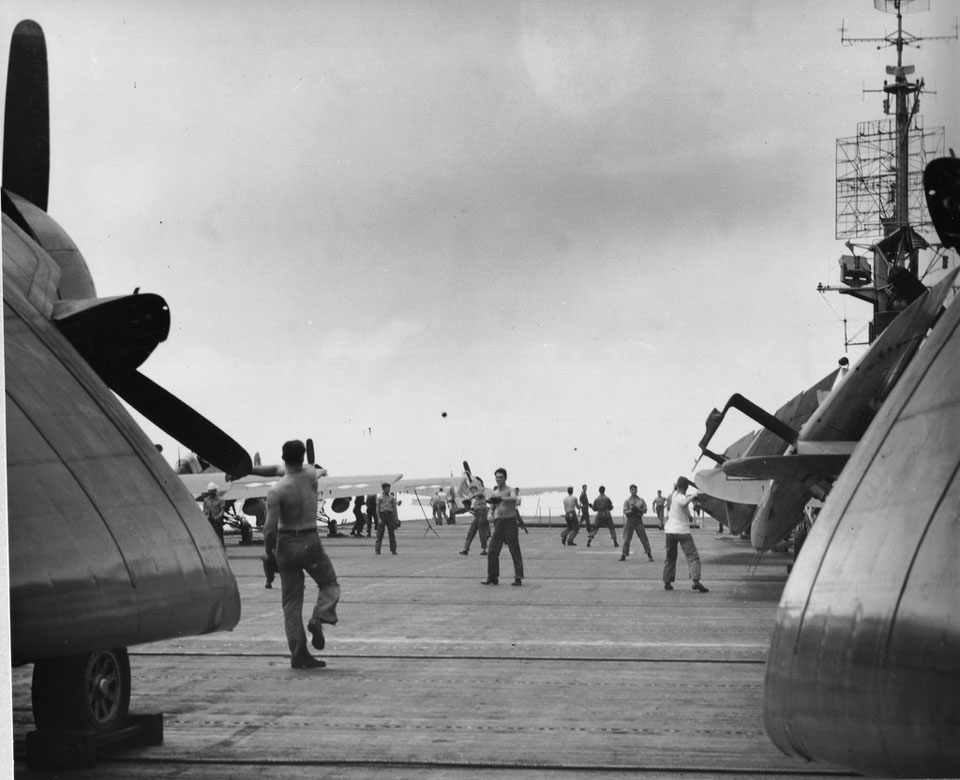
<point>292,503</point>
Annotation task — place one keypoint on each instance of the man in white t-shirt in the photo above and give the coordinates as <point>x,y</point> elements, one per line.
<point>677,532</point>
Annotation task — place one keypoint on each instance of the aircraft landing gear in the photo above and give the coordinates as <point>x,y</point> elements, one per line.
<point>86,692</point>
<point>81,705</point>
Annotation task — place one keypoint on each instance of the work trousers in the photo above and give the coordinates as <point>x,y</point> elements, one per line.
<point>505,529</point>
<point>296,554</point>
<point>572,529</point>
<point>481,524</point>
<point>689,549</point>
<point>604,519</point>
<point>388,523</point>
<point>631,525</point>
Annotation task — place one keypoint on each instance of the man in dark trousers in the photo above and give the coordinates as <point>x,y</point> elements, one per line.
<point>505,529</point>
<point>585,508</point>
<point>603,506</point>
<point>291,530</point>
<point>634,508</point>
<point>677,530</point>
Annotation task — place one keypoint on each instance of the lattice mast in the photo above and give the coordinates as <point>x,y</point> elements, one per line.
<point>880,181</point>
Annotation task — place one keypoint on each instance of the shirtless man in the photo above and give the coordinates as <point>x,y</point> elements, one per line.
<point>506,528</point>
<point>291,530</point>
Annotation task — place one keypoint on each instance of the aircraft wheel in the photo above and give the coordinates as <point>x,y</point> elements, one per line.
<point>86,692</point>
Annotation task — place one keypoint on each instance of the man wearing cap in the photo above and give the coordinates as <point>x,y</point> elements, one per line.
<point>213,508</point>
<point>386,519</point>
<point>291,530</point>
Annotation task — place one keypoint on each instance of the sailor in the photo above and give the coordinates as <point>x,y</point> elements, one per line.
<point>291,530</point>
<point>386,518</point>
<point>634,508</point>
<point>213,508</point>
<point>506,528</point>
<point>570,515</point>
<point>677,530</point>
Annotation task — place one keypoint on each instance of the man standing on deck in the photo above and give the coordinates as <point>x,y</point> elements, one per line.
<point>386,519</point>
<point>505,529</point>
<point>371,504</point>
<point>603,506</point>
<point>634,508</point>
<point>291,530</point>
<point>585,508</point>
<point>659,504</point>
<point>678,532</point>
<point>481,522</point>
<point>570,515</point>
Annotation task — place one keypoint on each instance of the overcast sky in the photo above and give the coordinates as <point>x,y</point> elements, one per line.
<point>574,228</point>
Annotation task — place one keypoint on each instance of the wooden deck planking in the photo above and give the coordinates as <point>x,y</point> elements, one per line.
<point>590,668</point>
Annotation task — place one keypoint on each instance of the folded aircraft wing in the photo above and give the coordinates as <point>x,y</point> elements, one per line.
<point>845,415</point>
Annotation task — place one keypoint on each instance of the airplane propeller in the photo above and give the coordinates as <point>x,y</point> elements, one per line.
<point>114,335</point>
<point>26,135</point>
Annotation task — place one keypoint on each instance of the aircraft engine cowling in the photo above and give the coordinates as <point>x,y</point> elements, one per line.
<point>340,505</point>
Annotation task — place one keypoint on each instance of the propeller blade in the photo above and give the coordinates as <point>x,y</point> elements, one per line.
<point>184,424</point>
<point>311,456</point>
<point>26,136</point>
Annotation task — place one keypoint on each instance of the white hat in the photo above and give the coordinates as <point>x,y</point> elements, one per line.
<point>212,486</point>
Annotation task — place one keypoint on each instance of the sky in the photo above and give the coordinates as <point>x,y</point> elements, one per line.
<point>548,236</point>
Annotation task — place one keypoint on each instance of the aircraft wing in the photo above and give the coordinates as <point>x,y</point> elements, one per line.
<point>431,485</point>
<point>847,412</point>
<point>258,487</point>
<point>728,487</point>
<point>825,459</point>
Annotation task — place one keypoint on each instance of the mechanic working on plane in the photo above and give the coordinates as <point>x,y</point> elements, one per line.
<point>505,529</point>
<point>291,530</point>
<point>213,508</point>
<point>677,530</point>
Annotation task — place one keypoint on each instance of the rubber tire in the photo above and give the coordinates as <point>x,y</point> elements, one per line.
<point>85,692</point>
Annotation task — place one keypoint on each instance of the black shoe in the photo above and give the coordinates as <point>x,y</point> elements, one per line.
<point>698,587</point>
<point>588,542</point>
<point>563,540</point>
<point>623,557</point>
<point>464,552</point>
<point>269,585</point>
<point>667,586</point>
<point>517,581</point>
<point>316,633</point>
<point>306,662</point>
<point>489,582</point>
<point>615,544</point>
<point>650,556</point>
<point>571,544</point>
<point>483,552</point>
